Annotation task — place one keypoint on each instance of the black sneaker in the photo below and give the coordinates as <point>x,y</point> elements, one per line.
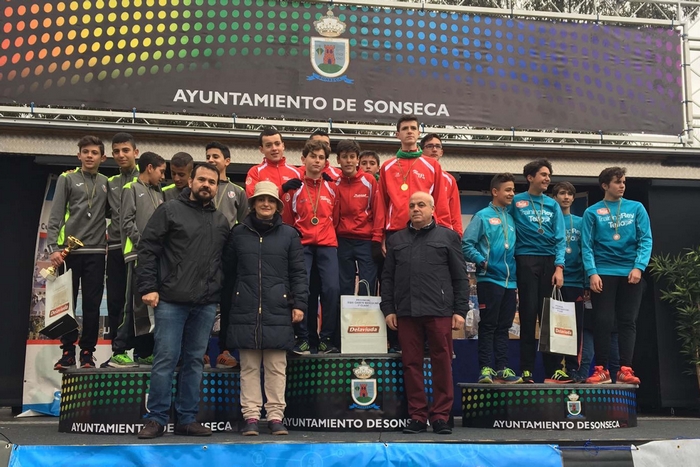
<point>153,429</point>
<point>87,360</point>
<point>277,427</point>
<point>441,427</point>
<point>415,427</point>
<point>325,346</point>
<point>66,361</point>
<point>301,347</point>
<point>251,427</point>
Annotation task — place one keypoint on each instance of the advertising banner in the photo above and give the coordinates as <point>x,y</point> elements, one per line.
<point>257,58</point>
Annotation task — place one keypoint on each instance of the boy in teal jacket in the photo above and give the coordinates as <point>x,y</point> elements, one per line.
<point>489,242</point>
<point>616,249</point>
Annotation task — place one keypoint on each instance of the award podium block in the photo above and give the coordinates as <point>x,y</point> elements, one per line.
<point>107,401</point>
<point>348,393</point>
<point>549,406</point>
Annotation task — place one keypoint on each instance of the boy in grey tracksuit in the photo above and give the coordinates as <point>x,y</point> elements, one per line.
<point>78,210</point>
<point>124,153</point>
<point>139,201</point>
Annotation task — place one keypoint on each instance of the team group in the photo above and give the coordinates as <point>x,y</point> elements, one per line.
<point>351,220</point>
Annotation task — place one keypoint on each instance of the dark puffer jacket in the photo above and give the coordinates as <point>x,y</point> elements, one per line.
<point>269,278</point>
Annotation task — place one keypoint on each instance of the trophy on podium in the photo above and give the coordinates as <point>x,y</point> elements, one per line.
<point>50,272</point>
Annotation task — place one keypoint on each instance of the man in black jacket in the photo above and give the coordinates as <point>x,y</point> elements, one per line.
<point>179,272</point>
<point>425,290</point>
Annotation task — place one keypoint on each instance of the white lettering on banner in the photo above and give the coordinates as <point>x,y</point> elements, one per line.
<point>133,428</point>
<point>283,101</point>
<point>556,425</point>
<point>344,423</point>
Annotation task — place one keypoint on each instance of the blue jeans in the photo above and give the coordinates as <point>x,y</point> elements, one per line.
<point>588,353</point>
<point>349,251</point>
<point>180,328</point>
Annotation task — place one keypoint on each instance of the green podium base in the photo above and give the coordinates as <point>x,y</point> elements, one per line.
<point>549,407</point>
<point>324,393</point>
<point>105,401</point>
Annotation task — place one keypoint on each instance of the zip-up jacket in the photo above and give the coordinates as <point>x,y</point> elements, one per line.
<point>425,274</point>
<point>268,274</point>
<point>453,202</point>
<point>573,273</point>
<point>552,242</point>
<point>139,202</point>
<point>232,201</point>
<point>180,252</point>
<point>275,172</point>
<point>78,209</point>
<point>299,212</point>
<point>360,212</point>
<point>171,192</point>
<point>422,174</point>
<point>114,195</point>
<point>604,255</point>
<point>333,172</point>
<point>485,240</point>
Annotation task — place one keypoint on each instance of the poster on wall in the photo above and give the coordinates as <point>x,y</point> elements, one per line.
<point>42,384</point>
<point>304,60</point>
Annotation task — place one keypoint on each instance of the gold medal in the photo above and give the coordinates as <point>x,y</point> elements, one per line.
<point>616,236</point>
<point>568,250</point>
<point>314,220</point>
<point>404,187</point>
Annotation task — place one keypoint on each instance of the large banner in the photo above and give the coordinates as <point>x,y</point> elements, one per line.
<point>256,58</point>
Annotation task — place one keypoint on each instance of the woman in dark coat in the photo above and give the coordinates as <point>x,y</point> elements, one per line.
<point>265,261</point>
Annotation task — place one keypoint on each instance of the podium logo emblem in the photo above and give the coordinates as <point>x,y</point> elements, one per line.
<point>330,54</point>
<point>363,388</point>
<point>573,406</point>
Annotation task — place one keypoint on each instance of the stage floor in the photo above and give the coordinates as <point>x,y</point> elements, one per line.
<point>44,431</point>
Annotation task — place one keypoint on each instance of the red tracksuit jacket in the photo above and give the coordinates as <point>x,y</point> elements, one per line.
<point>298,212</point>
<point>359,210</point>
<point>275,172</point>
<point>454,203</point>
<point>422,174</point>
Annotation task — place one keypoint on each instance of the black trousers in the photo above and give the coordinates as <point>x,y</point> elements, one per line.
<point>116,289</point>
<point>89,276</point>
<point>575,295</point>
<point>619,301</point>
<point>125,338</point>
<point>534,284</point>
<point>496,313</point>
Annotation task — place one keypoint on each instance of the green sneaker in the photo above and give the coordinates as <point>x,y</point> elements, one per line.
<point>146,361</point>
<point>486,375</point>
<point>527,377</point>
<point>559,377</point>
<point>301,347</point>
<point>507,376</point>
<point>122,360</point>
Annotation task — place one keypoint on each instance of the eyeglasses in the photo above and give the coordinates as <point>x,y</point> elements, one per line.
<point>432,146</point>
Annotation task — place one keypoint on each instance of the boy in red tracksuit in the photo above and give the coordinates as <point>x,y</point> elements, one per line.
<point>407,173</point>
<point>274,167</point>
<point>431,144</point>
<point>360,215</point>
<point>310,209</point>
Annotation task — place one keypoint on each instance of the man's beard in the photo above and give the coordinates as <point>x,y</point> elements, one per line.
<point>202,199</point>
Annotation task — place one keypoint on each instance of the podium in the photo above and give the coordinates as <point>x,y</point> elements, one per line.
<point>328,393</point>
<point>549,406</point>
<point>113,401</point>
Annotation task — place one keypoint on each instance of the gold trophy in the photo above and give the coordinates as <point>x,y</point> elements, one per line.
<point>73,244</point>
